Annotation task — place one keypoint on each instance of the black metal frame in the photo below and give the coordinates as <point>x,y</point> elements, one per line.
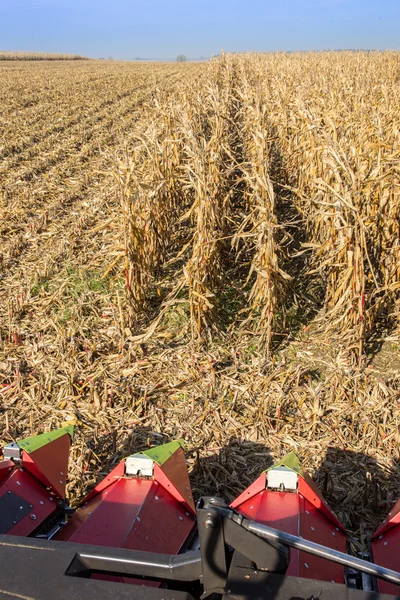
<point>220,530</point>
<point>232,562</point>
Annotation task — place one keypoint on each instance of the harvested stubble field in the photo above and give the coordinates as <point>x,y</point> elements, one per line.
<point>207,251</point>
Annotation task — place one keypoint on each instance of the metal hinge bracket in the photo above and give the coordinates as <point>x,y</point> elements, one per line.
<point>283,479</point>
<point>139,465</point>
<point>12,452</point>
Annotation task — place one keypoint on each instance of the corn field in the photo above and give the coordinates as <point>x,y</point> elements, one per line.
<point>332,123</point>
<point>208,251</point>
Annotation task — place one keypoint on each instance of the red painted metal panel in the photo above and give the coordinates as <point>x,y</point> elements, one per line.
<point>163,524</point>
<point>49,464</point>
<point>168,534</point>
<point>292,513</point>
<point>308,489</point>
<point>255,488</point>
<point>112,518</point>
<point>102,511</point>
<point>6,467</point>
<point>250,507</point>
<point>44,504</point>
<point>80,516</point>
<point>316,527</point>
<point>113,477</point>
<point>386,552</point>
<point>279,510</point>
<point>173,476</point>
<point>392,519</point>
<point>134,513</point>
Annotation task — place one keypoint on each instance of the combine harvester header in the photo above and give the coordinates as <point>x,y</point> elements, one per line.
<point>139,534</point>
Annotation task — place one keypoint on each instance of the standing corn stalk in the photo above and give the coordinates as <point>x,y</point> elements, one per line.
<point>207,178</point>
<point>269,284</point>
<point>339,147</point>
<point>151,200</point>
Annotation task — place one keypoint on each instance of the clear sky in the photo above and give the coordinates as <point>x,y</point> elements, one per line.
<point>125,29</point>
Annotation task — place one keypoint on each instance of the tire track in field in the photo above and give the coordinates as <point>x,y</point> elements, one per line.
<point>58,91</point>
<point>71,145</point>
<point>62,207</point>
<point>83,81</point>
<point>70,169</point>
<point>74,125</point>
<point>85,110</point>
<point>15,247</point>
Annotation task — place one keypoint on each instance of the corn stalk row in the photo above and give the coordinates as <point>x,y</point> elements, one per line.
<point>336,122</point>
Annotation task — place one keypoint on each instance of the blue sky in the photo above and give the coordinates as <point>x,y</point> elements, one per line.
<point>127,29</point>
